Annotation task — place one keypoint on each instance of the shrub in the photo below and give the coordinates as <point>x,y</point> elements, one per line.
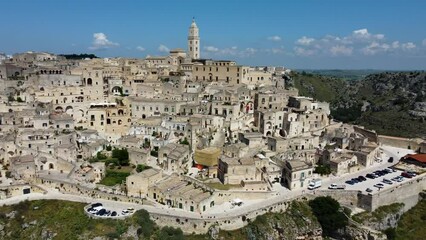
<point>147,226</point>
<point>122,155</point>
<point>327,211</point>
<point>322,169</point>
<point>170,233</point>
<point>142,167</point>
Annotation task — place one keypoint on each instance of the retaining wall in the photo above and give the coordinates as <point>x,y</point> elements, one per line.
<point>412,143</point>
<point>407,193</point>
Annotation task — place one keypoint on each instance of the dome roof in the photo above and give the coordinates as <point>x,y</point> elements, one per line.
<point>193,24</point>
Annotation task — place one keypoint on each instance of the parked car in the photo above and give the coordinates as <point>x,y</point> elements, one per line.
<point>387,181</point>
<point>413,174</point>
<point>390,160</point>
<point>101,212</point>
<point>406,175</point>
<point>113,214</point>
<point>379,185</point>
<point>96,205</point>
<point>350,182</point>
<point>368,190</point>
<point>362,178</point>
<point>355,180</point>
<point>337,186</point>
<point>371,176</point>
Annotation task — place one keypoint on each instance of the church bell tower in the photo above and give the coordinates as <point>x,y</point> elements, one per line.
<point>194,41</point>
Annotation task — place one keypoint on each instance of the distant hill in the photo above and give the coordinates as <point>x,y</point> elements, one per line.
<point>392,103</point>
<point>343,74</point>
<point>78,56</point>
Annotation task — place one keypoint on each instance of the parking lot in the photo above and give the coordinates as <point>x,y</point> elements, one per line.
<point>375,185</point>
<point>104,211</point>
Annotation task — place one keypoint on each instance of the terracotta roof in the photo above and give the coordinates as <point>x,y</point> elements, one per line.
<point>417,157</point>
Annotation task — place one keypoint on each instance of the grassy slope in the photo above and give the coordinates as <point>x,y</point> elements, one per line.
<point>298,217</point>
<point>116,176</point>
<point>325,88</point>
<point>393,121</point>
<point>66,219</point>
<point>412,223</point>
<point>379,214</point>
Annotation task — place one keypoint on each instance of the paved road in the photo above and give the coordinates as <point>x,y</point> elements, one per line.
<point>223,211</point>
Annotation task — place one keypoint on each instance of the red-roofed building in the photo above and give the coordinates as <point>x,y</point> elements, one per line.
<point>416,159</point>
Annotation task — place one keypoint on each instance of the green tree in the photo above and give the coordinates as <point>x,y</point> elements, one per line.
<point>170,233</point>
<point>122,155</point>
<point>184,141</point>
<point>100,156</point>
<point>327,211</point>
<point>322,169</point>
<point>147,226</point>
<point>142,167</point>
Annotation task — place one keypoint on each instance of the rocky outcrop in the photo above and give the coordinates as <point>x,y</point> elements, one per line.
<point>297,222</point>
<point>356,233</point>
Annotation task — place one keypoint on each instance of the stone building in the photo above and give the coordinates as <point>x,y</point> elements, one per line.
<point>296,174</point>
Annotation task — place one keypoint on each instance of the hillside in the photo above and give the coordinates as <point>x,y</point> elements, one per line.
<point>298,222</point>
<point>54,219</point>
<point>412,223</point>
<point>351,75</point>
<point>392,103</point>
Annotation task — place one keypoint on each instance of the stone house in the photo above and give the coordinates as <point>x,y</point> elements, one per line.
<point>296,174</point>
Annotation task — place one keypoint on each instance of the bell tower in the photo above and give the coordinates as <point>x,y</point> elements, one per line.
<point>194,41</point>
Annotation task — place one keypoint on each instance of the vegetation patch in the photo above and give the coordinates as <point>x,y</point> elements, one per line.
<point>55,219</point>
<point>379,214</point>
<point>114,177</point>
<point>329,214</point>
<point>142,167</point>
<point>412,223</point>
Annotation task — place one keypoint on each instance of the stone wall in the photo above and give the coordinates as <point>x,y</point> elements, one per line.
<point>411,143</point>
<point>344,197</point>
<point>226,196</point>
<point>407,193</point>
<point>76,189</point>
<point>371,135</point>
<point>17,190</point>
<point>201,225</point>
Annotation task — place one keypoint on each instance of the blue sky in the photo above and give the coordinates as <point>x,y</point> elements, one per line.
<point>321,34</point>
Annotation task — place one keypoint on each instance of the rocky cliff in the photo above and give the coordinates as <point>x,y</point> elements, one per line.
<point>392,103</point>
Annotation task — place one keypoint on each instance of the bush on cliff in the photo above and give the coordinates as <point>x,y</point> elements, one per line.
<point>327,210</point>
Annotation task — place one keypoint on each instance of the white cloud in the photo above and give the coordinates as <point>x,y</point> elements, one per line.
<point>233,51</point>
<point>139,48</point>
<point>339,50</point>
<point>360,41</point>
<point>100,41</point>
<point>408,46</point>
<point>279,50</point>
<point>211,49</point>
<point>305,41</point>
<point>250,51</point>
<point>363,34</point>
<point>395,44</point>
<point>163,48</point>
<point>424,42</point>
<point>375,47</point>
<point>274,38</point>
<point>304,52</point>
